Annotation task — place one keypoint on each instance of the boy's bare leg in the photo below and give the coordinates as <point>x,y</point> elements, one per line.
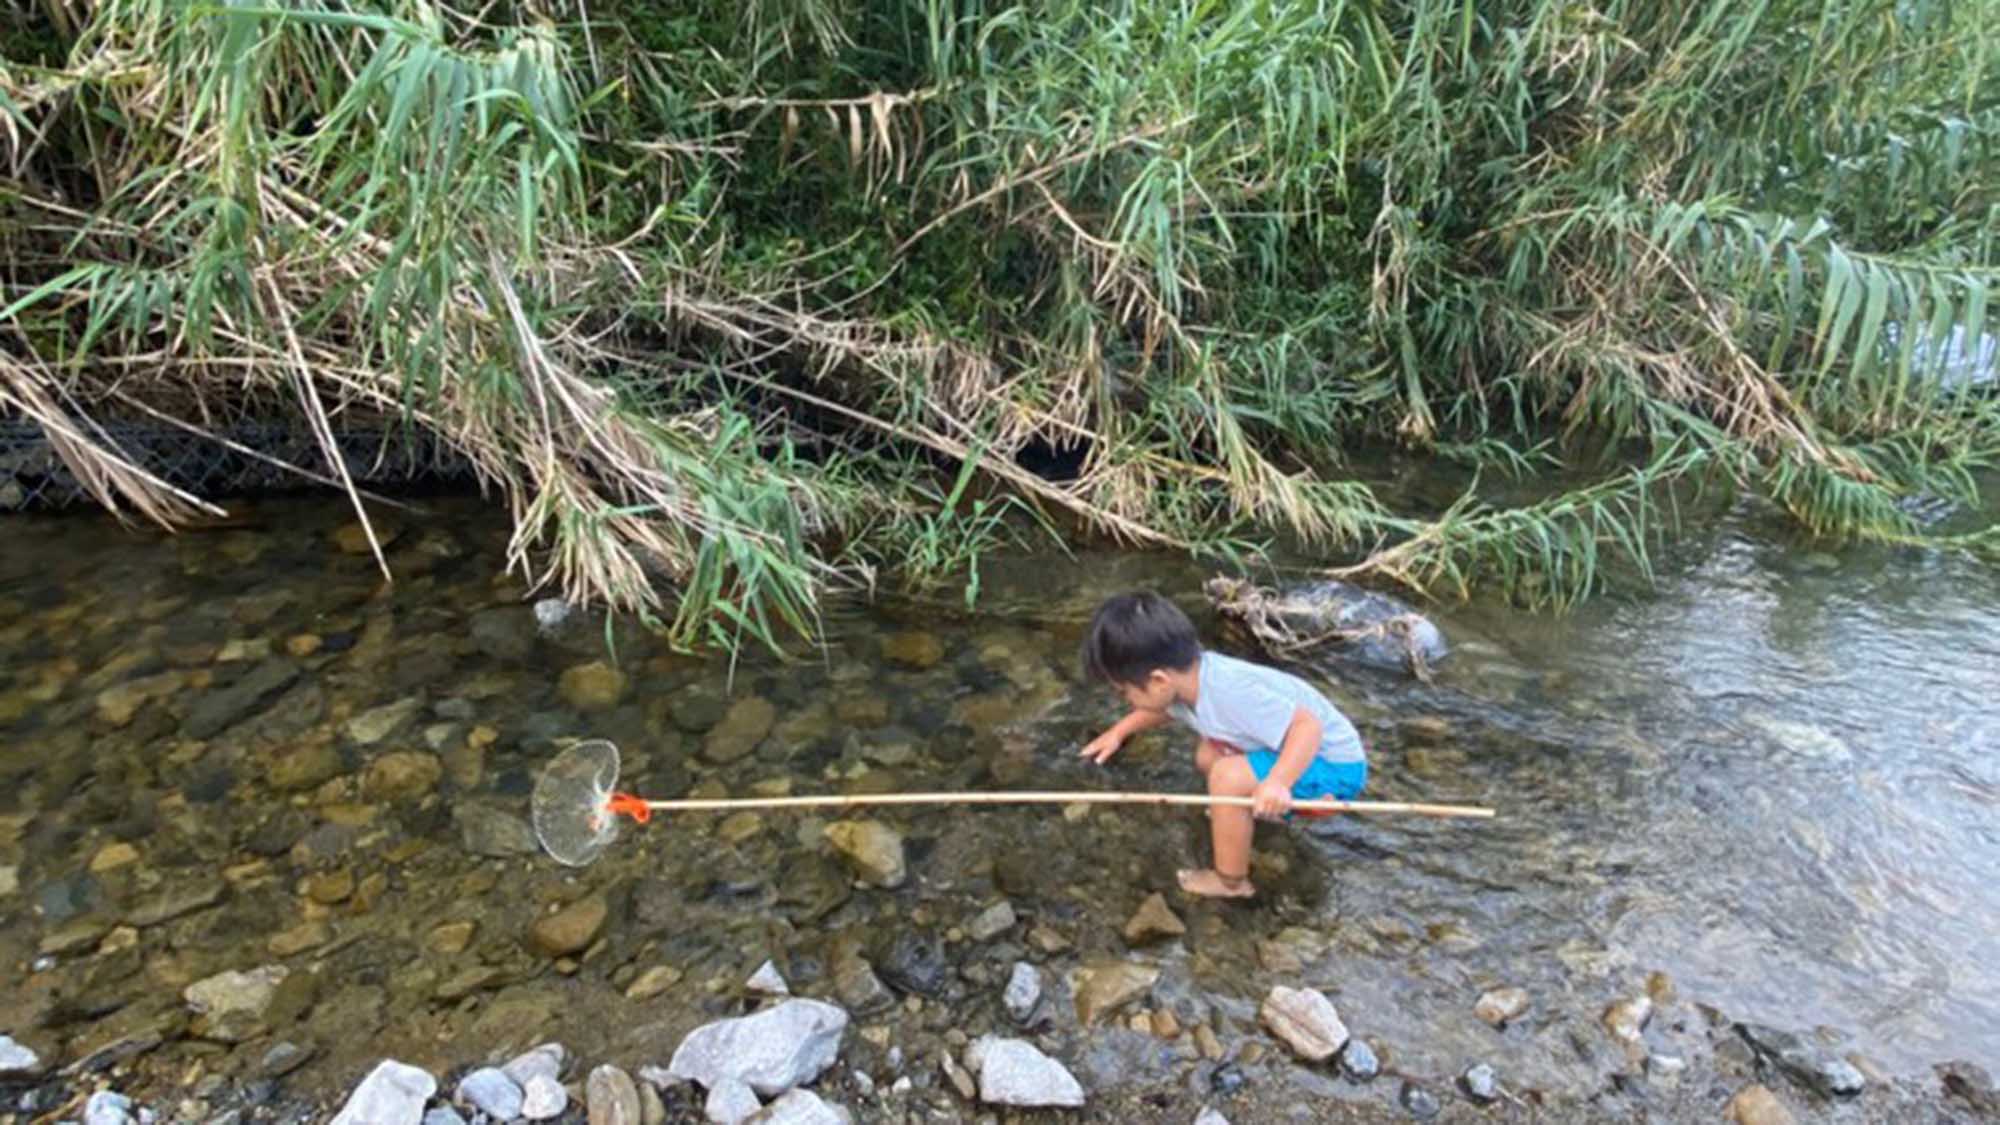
<point>1230,829</point>
<point>1206,754</point>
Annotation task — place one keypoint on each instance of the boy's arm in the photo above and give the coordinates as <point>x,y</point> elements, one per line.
<point>1104,745</point>
<point>1273,796</point>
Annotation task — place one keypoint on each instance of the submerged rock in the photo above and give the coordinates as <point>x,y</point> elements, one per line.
<point>1480,1083</point>
<point>494,834</point>
<point>1104,987</point>
<point>1626,1019</point>
<point>1153,919</point>
<point>915,962</point>
<point>992,922</point>
<point>18,1061</point>
<point>1024,992</point>
<point>1754,1105</point>
<point>1306,1020</point>
<point>592,687</point>
<point>1805,1061</point>
<point>393,1094</point>
<point>740,730</point>
<point>872,849</point>
<point>1500,1005</point>
<point>771,1051</point>
<point>1014,1072</point>
<point>571,929</point>
<point>1358,1061</point>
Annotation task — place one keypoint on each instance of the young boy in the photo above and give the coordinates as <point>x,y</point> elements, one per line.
<point>1265,734</point>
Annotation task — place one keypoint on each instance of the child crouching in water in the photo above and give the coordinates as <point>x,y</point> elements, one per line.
<point>1265,734</point>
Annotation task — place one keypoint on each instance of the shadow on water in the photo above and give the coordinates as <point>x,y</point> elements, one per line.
<point>1764,792</point>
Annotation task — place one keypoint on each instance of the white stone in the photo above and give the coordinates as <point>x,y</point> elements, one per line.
<point>769,981</point>
<point>772,1051</point>
<point>542,1098</point>
<point>393,1094</point>
<point>803,1107</point>
<point>1014,1072</point>
<point>730,1101</point>
<point>1306,1020</point>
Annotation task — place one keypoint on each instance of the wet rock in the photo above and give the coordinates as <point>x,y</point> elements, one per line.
<point>652,1110</point>
<point>17,1060</point>
<point>218,710</point>
<point>1153,920</point>
<point>1754,1105</point>
<point>1306,1020</point>
<point>1970,1083</point>
<point>329,887</point>
<point>1024,992</point>
<point>546,1060</point>
<point>571,929</point>
<point>653,982</point>
<point>959,1078</point>
<point>116,705</point>
<point>465,982</point>
<point>1626,1019</point>
<point>507,633</point>
<point>772,1051</point>
<point>233,1003</point>
<point>543,1098</point>
<point>401,776</point>
<point>612,1098</point>
<point>1804,1061</point>
<point>741,729</point>
<point>914,961</point>
<point>595,686</point>
<point>304,767</point>
<point>376,724</point>
<point>1358,1061</point>
<point>74,937</point>
<point>1227,1079</point>
<point>1209,1046</point>
<point>992,921</point>
<point>1210,1116</point>
<point>812,887</point>
<point>1500,1005</point>
<point>913,648</point>
<point>1480,1084</point>
<point>803,1107</point>
<point>284,1058</point>
<point>1013,1072</point>
<point>857,987</point>
<point>491,1092</point>
<point>108,1108</point>
<point>1419,1102</point>
<point>1103,987</point>
<point>392,1094</point>
<point>873,850</point>
<point>768,980</point>
<point>358,538</point>
<point>1290,950</point>
<point>451,938</point>
<point>443,1115</point>
<point>111,857</point>
<point>486,831</point>
<point>730,1101</point>
<point>179,901</point>
<point>310,934</point>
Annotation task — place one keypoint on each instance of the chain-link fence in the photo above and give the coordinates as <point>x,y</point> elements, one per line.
<point>33,476</point>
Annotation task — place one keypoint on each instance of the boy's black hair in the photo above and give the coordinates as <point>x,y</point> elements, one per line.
<point>1131,635</point>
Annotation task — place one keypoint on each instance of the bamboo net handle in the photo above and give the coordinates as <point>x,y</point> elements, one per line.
<point>1045,797</point>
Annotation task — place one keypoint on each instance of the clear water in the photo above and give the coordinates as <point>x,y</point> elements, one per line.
<point>1772,780</point>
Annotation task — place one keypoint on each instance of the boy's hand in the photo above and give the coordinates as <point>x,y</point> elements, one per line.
<point>1270,800</point>
<point>1102,747</point>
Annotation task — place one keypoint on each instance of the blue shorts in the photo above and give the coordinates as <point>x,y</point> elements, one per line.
<point>1341,781</point>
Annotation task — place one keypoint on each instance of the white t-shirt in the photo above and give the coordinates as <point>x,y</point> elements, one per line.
<point>1250,706</point>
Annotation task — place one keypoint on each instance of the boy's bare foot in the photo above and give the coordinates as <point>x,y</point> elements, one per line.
<point>1213,884</point>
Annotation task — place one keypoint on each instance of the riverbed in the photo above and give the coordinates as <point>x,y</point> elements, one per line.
<point>1760,794</point>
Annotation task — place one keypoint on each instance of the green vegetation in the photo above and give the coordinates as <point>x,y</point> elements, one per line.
<point>735,302</point>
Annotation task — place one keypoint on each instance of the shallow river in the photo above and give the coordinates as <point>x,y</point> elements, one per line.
<point>1765,791</point>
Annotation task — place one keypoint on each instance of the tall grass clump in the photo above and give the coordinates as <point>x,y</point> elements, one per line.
<point>734,303</point>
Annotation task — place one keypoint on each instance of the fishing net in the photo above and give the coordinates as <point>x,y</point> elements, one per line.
<point>573,803</point>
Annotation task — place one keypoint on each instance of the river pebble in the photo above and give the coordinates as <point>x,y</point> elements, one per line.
<point>1755,1105</point>
<point>394,1093</point>
<point>1305,1020</point>
<point>772,1051</point>
<point>1480,1083</point>
<point>491,1092</point>
<point>730,1101</point>
<point>1501,1005</point>
<point>542,1098</point>
<point>1024,992</point>
<point>1358,1061</point>
<point>1805,1061</point>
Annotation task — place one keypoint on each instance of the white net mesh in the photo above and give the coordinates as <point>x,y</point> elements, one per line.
<point>570,815</point>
